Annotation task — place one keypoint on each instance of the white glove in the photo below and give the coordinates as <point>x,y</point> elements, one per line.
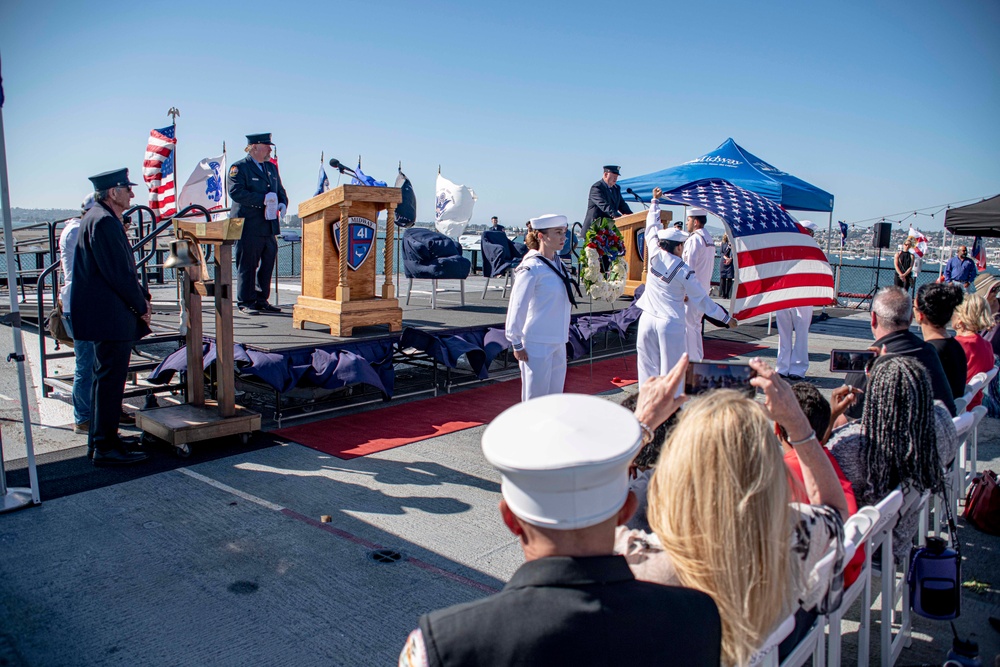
<point>270,206</point>
<point>281,211</point>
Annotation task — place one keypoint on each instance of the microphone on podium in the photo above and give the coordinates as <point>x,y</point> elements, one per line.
<point>632,192</point>
<point>342,168</point>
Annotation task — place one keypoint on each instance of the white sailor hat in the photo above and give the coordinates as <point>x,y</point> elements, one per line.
<point>694,212</point>
<point>88,203</point>
<point>671,234</point>
<point>809,224</point>
<point>563,459</point>
<point>548,221</point>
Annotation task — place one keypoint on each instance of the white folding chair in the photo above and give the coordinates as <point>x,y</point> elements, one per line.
<point>970,450</point>
<point>975,384</point>
<point>894,586</point>
<point>961,403</point>
<point>858,533</point>
<point>435,289</point>
<point>769,657</point>
<point>812,645</point>
<point>954,477</point>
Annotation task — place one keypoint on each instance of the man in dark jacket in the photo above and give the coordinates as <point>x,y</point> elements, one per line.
<point>259,198</point>
<point>605,200</point>
<point>892,315</point>
<point>572,603</point>
<point>109,307</point>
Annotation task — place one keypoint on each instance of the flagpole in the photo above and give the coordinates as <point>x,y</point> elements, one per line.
<point>12,498</point>
<point>174,113</point>
<point>225,190</point>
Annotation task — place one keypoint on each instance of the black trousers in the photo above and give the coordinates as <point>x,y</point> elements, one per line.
<point>110,373</point>
<point>254,267</point>
<point>725,287</point>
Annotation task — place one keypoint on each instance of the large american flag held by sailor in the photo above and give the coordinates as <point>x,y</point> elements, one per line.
<point>778,265</point>
<point>158,172</point>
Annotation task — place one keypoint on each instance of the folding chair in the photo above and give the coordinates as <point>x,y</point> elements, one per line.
<point>430,255</point>
<point>500,257</point>
<point>894,586</point>
<point>859,531</point>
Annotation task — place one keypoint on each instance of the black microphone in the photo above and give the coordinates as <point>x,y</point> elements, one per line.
<point>335,163</point>
<point>632,192</point>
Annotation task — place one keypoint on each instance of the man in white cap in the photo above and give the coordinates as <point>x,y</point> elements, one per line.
<point>793,332</point>
<point>669,282</point>
<point>699,254</point>
<point>537,323</point>
<point>563,462</point>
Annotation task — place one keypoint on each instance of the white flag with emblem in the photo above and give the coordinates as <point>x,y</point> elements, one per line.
<point>452,207</point>
<point>205,185</point>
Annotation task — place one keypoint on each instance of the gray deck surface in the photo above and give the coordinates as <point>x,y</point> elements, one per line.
<point>225,562</point>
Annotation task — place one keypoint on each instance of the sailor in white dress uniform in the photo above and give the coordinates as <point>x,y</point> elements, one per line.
<point>793,333</point>
<point>699,254</point>
<point>661,341</point>
<point>538,312</point>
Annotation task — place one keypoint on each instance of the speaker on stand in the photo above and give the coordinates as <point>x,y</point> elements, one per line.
<point>881,237</point>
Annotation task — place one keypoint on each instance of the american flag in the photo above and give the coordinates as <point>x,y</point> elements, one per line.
<point>979,252</point>
<point>158,172</point>
<point>778,265</point>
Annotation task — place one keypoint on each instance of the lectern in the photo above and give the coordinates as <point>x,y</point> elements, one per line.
<point>338,260</point>
<point>632,227</point>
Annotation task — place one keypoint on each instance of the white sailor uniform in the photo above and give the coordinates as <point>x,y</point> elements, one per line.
<point>793,357</point>
<point>699,254</point>
<point>661,339</point>
<point>538,323</point>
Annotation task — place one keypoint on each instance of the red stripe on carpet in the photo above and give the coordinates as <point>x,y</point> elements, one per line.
<point>363,433</point>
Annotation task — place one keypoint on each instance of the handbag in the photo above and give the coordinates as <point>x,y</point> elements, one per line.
<point>55,326</point>
<point>935,574</point>
<point>982,503</point>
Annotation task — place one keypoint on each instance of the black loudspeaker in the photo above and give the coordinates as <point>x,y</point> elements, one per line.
<point>881,233</point>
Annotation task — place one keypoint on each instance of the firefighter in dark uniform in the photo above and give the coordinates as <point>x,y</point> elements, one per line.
<point>259,198</point>
<point>605,199</point>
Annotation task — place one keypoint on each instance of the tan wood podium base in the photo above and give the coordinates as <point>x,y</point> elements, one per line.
<point>185,423</point>
<point>631,286</point>
<point>343,316</point>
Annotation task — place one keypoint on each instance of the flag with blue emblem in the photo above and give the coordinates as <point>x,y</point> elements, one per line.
<point>778,265</point>
<point>323,184</point>
<point>453,206</point>
<point>843,233</point>
<point>205,185</point>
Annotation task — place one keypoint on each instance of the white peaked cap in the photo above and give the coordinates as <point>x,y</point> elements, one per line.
<point>672,234</point>
<point>694,211</point>
<point>89,202</point>
<point>563,459</point>
<point>808,224</point>
<point>548,221</point>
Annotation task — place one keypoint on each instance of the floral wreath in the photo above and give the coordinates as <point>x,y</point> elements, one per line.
<point>602,261</point>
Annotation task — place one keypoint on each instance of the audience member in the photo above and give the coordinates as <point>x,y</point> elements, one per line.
<point>934,305</point>
<point>960,269</point>
<point>83,350</point>
<point>971,317</point>
<point>892,315</point>
<point>573,602</point>
<point>641,470</point>
<point>903,438</point>
<point>746,542</point>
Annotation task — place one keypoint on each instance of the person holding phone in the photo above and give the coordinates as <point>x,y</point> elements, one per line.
<point>537,323</point>
<point>669,281</point>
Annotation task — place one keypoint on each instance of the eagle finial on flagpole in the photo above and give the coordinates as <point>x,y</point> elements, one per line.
<point>400,167</point>
<point>439,170</point>
<point>321,155</point>
<point>173,113</point>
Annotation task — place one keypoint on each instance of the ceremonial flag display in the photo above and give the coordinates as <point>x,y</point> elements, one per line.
<point>361,178</point>
<point>205,185</point>
<point>323,184</point>
<point>406,211</point>
<point>452,207</point>
<point>979,252</point>
<point>843,233</point>
<point>158,172</point>
<point>777,266</point>
<point>921,241</point>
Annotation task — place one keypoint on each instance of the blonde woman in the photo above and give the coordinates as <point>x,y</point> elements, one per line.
<point>903,263</point>
<point>725,522</point>
<point>971,317</point>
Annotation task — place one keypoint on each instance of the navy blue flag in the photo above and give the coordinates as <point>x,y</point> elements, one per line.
<point>323,184</point>
<point>843,232</point>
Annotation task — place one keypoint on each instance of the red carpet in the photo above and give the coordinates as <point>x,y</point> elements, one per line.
<point>369,432</point>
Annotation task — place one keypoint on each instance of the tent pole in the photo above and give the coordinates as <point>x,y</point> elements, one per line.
<point>15,498</point>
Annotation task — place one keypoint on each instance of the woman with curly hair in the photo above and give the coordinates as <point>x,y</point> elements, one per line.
<point>971,318</point>
<point>903,438</point>
<point>933,307</point>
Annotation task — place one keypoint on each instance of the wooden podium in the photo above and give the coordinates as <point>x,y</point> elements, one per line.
<point>338,288</point>
<point>630,227</point>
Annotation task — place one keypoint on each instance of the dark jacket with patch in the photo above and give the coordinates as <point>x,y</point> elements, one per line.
<point>577,611</point>
<point>247,185</point>
<point>604,202</point>
<point>106,300</point>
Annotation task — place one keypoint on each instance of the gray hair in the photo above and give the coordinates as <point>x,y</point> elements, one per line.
<point>894,308</point>
<point>102,195</point>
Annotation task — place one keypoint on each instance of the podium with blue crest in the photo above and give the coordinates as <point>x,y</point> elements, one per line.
<point>339,245</point>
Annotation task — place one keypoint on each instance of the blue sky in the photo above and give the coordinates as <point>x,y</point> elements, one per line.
<point>890,107</point>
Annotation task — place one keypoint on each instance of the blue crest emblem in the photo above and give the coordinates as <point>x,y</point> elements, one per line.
<point>360,240</point>
<point>640,241</point>
<point>213,186</point>
<point>440,204</point>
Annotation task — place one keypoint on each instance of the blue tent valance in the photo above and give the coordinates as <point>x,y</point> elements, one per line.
<point>736,165</point>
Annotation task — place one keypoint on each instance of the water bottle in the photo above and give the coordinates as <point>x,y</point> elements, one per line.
<point>963,654</point>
